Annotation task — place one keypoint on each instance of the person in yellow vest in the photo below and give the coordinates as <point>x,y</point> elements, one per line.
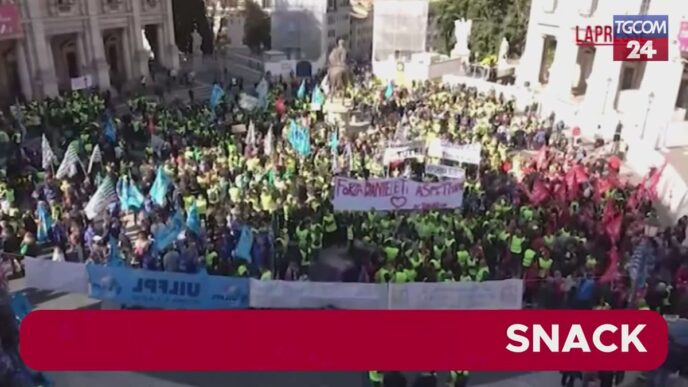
<point>516,250</point>
<point>642,304</point>
<point>266,275</point>
<point>483,273</point>
<point>202,205</point>
<point>458,379</point>
<point>350,238</point>
<point>375,378</point>
<point>545,265</point>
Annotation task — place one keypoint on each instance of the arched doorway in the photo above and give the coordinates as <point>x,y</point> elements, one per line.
<point>112,42</point>
<point>304,69</point>
<point>66,59</point>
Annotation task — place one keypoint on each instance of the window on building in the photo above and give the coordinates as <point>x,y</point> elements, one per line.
<point>330,19</point>
<point>331,34</point>
<point>331,5</point>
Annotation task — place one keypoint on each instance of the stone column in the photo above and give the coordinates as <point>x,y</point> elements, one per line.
<point>81,54</point>
<point>23,69</point>
<point>531,60</point>
<point>126,48</point>
<point>140,63</point>
<point>663,80</point>
<point>562,72</point>
<point>46,80</point>
<point>95,43</point>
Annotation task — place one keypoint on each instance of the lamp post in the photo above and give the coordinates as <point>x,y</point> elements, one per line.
<point>650,98</point>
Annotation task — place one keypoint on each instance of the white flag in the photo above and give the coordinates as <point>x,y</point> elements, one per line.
<point>104,196</point>
<point>48,157</point>
<point>325,86</point>
<point>267,142</point>
<point>71,158</point>
<point>251,135</point>
<point>96,157</point>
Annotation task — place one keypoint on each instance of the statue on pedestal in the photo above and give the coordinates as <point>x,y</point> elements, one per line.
<point>196,43</point>
<point>337,70</point>
<point>462,31</point>
<point>503,53</point>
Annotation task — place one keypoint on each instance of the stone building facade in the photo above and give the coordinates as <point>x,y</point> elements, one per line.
<point>60,44</point>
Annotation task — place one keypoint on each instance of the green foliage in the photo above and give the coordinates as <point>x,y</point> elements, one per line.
<point>256,28</point>
<point>492,20</point>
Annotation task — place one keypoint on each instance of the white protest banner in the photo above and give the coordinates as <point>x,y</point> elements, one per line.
<point>506,294</point>
<point>81,83</point>
<point>469,154</point>
<point>45,274</point>
<point>402,152</point>
<point>309,295</point>
<point>445,171</point>
<point>395,194</point>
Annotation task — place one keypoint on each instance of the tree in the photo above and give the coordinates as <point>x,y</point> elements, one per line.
<point>189,15</point>
<point>492,20</point>
<point>256,28</point>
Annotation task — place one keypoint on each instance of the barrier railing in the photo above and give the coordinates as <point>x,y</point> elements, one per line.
<point>168,290</point>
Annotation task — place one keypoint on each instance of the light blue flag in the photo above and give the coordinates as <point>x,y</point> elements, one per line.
<point>123,193</point>
<point>301,92</point>
<point>169,233</point>
<point>115,257</point>
<point>389,91</point>
<point>216,95</point>
<point>334,140</point>
<point>299,139</point>
<point>193,219</point>
<point>45,222</point>
<point>158,190</point>
<point>243,249</point>
<point>110,131</point>
<point>318,98</point>
<point>135,197</point>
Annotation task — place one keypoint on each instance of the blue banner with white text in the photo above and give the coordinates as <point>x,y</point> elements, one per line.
<point>166,290</point>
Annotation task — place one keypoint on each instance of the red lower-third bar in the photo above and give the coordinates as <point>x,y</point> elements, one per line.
<point>303,340</point>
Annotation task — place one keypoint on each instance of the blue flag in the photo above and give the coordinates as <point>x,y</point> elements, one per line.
<point>134,196</point>
<point>158,190</point>
<point>301,93</point>
<point>193,219</point>
<point>169,233</point>
<point>243,249</point>
<point>110,131</point>
<point>20,306</point>
<point>45,222</point>
<point>318,98</point>
<point>115,257</point>
<point>216,95</point>
<point>389,91</point>
<point>299,138</point>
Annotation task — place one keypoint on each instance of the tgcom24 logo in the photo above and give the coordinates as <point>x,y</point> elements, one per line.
<point>634,38</point>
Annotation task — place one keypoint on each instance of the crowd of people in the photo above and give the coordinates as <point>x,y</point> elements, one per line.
<point>540,205</point>
<point>181,187</point>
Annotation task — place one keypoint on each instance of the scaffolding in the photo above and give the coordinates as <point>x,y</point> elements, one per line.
<point>399,28</point>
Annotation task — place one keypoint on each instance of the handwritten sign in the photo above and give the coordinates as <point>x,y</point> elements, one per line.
<point>395,194</point>
<point>445,171</point>
<point>469,154</point>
